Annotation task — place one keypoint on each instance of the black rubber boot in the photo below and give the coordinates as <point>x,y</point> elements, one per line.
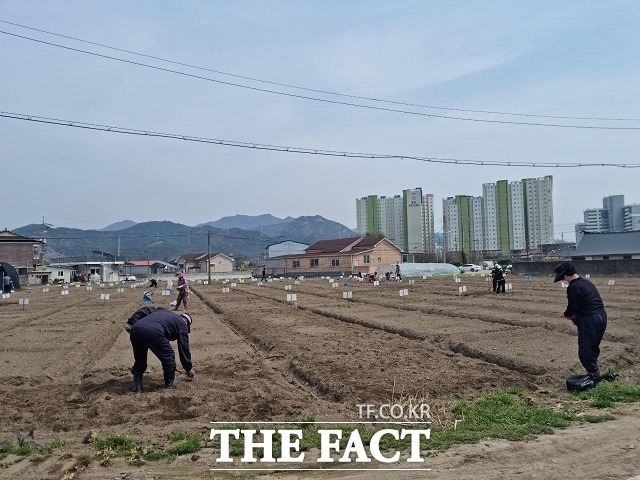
<point>137,382</point>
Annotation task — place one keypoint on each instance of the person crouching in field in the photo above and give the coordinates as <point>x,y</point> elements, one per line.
<point>183,291</point>
<point>153,328</point>
<point>586,310</point>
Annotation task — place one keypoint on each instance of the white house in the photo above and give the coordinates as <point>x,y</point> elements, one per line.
<point>197,263</point>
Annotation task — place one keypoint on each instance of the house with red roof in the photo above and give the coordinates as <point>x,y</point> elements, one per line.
<point>344,255</point>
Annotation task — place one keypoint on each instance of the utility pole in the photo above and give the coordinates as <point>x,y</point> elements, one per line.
<point>148,262</point>
<point>118,255</point>
<point>209,256</point>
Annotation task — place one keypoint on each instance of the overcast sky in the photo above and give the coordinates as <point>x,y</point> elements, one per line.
<point>572,58</point>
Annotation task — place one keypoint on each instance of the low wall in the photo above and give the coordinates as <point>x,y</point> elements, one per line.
<point>583,267</point>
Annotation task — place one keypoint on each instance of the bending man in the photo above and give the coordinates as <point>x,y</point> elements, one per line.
<point>154,331</point>
<point>586,310</point>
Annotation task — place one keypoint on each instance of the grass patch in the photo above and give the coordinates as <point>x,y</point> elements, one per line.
<point>116,446</point>
<point>23,449</point>
<point>498,415</point>
<point>595,418</point>
<point>57,443</point>
<point>177,436</point>
<point>606,394</point>
<point>191,444</point>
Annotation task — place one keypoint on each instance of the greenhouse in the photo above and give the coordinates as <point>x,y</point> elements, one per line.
<point>419,269</point>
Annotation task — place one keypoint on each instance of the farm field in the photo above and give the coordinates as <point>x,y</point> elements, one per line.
<point>257,357</point>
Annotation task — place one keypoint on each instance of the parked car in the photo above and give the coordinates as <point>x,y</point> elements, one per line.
<point>130,278</point>
<point>470,267</point>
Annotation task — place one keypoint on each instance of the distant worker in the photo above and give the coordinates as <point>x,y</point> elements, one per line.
<point>586,310</point>
<point>387,275</point>
<point>183,291</point>
<point>499,279</point>
<point>6,284</point>
<point>154,283</point>
<point>264,275</point>
<point>398,276</point>
<point>494,276</point>
<point>153,329</point>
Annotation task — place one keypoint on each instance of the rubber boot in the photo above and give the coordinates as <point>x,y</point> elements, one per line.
<point>137,382</point>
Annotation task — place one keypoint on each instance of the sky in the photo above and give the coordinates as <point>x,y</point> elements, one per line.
<point>572,58</point>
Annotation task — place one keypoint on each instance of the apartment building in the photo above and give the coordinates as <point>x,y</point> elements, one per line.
<point>407,220</point>
<point>614,216</point>
<point>509,216</point>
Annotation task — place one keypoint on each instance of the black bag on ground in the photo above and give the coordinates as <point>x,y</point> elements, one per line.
<point>141,313</point>
<point>580,383</point>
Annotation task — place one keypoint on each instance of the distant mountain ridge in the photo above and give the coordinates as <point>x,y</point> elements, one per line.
<point>164,240</point>
<point>118,226</point>
<point>247,222</point>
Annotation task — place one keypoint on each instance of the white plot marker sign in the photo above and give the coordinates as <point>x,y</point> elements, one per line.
<point>587,276</point>
<point>6,295</point>
<point>376,283</point>
<point>347,295</point>
<point>292,297</point>
<point>225,289</point>
<point>508,287</point>
<point>611,283</point>
<point>165,293</point>
<point>46,290</point>
<point>287,287</point>
<point>412,282</point>
<point>404,292</point>
<point>89,289</point>
<point>458,279</point>
<point>334,285</point>
<point>462,289</point>
<point>23,302</point>
<point>104,297</point>
<point>234,284</point>
<point>65,292</point>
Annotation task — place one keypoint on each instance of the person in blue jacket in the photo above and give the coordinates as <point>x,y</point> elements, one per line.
<point>153,330</point>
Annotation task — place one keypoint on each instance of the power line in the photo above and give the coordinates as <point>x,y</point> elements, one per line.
<point>301,150</point>
<point>308,89</point>
<point>317,99</point>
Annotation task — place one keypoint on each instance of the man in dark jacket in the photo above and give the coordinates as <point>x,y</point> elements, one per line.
<point>154,331</point>
<point>499,279</point>
<point>586,310</point>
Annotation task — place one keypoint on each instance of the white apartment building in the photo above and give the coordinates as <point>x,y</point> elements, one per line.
<point>631,217</point>
<point>407,220</point>
<point>510,216</point>
<point>491,219</point>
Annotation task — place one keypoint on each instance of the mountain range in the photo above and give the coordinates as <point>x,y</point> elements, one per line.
<point>164,240</point>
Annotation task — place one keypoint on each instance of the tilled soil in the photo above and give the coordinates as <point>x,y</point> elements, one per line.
<point>66,359</point>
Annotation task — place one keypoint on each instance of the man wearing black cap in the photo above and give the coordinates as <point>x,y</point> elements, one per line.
<point>154,331</point>
<point>586,310</point>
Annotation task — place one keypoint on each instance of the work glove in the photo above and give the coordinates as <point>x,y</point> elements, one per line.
<point>191,373</point>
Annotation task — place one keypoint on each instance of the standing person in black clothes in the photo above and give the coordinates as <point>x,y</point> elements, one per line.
<point>264,275</point>
<point>498,278</point>
<point>494,273</point>
<point>154,331</point>
<point>398,275</point>
<point>586,310</point>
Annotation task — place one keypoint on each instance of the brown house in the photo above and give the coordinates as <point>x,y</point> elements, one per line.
<point>21,252</point>
<point>344,255</point>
